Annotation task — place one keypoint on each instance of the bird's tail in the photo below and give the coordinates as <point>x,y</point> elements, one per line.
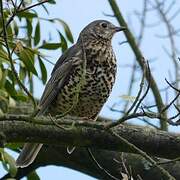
<point>28,154</point>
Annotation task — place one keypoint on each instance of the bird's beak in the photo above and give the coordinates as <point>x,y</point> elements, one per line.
<point>122,28</point>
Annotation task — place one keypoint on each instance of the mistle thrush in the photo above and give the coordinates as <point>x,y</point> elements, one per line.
<point>81,80</point>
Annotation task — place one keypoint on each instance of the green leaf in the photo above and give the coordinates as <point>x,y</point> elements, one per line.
<point>3,93</point>
<point>20,96</point>
<point>51,46</point>
<point>43,70</point>
<point>10,88</point>
<point>27,2</point>
<point>37,34</point>
<point>6,13</point>
<point>16,28</point>
<point>13,146</point>
<point>9,33</point>
<point>3,79</point>
<point>33,176</point>
<point>11,76</point>
<point>128,98</point>
<point>52,2</point>
<point>3,56</point>
<point>18,47</point>
<point>29,30</point>
<point>3,102</point>
<point>22,73</point>
<point>9,163</point>
<point>1,75</point>
<point>66,29</point>
<point>26,14</point>
<point>63,42</point>
<point>27,58</point>
<point>12,102</point>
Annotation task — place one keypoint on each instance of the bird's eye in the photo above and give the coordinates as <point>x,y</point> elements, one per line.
<point>104,25</point>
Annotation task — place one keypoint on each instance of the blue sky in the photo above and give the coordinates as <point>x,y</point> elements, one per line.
<point>78,14</point>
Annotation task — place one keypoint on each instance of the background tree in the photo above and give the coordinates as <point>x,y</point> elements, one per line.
<point>110,149</point>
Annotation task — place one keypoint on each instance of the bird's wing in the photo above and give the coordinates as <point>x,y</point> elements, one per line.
<point>53,86</point>
<point>59,75</point>
<point>69,52</point>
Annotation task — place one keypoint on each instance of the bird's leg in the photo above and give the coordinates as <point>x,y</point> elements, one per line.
<point>54,121</point>
<point>65,118</point>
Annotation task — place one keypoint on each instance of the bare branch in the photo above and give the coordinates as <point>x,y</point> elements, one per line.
<point>146,71</point>
<point>142,153</point>
<point>139,57</point>
<point>32,6</point>
<point>99,166</point>
<point>139,93</point>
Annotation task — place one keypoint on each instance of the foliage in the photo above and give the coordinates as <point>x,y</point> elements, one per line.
<point>26,45</point>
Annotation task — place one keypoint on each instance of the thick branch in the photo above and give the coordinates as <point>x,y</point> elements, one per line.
<point>113,162</point>
<point>86,134</point>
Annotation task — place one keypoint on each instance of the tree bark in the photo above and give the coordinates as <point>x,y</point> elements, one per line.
<point>88,134</point>
<point>111,161</point>
<point>107,148</point>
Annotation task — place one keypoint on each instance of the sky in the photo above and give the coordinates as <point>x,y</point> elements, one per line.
<point>78,14</point>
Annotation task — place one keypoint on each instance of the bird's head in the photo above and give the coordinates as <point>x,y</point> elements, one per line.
<point>100,29</point>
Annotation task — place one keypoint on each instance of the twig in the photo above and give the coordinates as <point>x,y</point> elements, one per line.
<point>108,15</point>
<point>139,56</point>
<point>163,15</point>
<point>129,174</point>
<point>177,108</point>
<point>126,117</point>
<point>99,166</point>
<point>55,123</point>
<point>18,10</point>
<point>169,161</point>
<point>139,92</point>
<point>142,153</point>
<point>132,116</point>
<point>170,6</point>
<point>148,123</point>
<point>14,5</point>
<point>32,6</point>
<point>12,17</point>
<point>152,115</point>
<point>177,123</point>
<point>172,85</point>
<point>132,78</point>
<point>147,70</point>
<point>175,98</point>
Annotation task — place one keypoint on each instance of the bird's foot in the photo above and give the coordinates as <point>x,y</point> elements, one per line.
<point>54,121</point>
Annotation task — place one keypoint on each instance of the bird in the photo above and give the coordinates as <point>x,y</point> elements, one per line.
<point>81,80</point>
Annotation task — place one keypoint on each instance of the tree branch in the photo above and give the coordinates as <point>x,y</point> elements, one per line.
<point>112,161</point>
<point>88,134</point>
<point>139,57</point>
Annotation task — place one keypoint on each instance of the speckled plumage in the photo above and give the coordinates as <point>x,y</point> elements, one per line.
<point>96,85</point>
<point>81,80</point>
